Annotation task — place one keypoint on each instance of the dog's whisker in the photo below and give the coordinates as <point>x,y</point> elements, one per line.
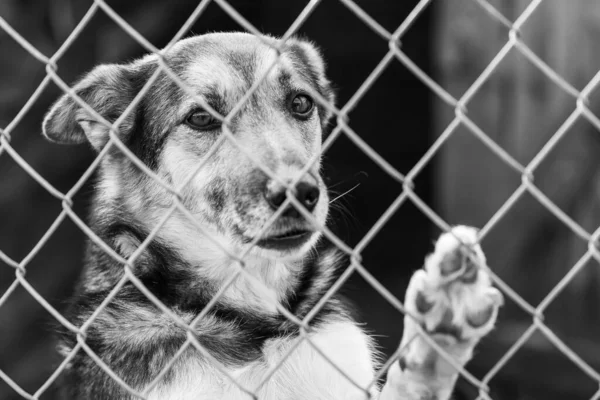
<point>348,179</point>
<point>344,194</point>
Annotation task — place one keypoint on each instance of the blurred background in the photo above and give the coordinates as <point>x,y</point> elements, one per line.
<point>465,183</point>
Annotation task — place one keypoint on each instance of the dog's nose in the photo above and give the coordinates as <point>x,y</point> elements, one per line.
<point>306,193</point>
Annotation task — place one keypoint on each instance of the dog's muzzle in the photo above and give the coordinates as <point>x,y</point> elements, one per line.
<point>292,229</point>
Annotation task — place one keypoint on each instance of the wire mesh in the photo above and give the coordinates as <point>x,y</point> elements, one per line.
<point>408,194</point>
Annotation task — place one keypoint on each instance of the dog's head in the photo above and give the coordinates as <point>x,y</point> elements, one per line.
<point>280,126</point>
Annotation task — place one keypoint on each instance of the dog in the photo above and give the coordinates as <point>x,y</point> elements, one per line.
<point>244,342</point>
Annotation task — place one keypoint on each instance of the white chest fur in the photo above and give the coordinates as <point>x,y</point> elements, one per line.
<point>304,374</point>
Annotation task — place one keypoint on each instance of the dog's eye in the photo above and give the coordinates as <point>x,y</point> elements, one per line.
<point>301,105</point>
<point>202,120</point>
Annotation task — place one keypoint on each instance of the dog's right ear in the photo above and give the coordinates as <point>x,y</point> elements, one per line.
<point>108,90</point>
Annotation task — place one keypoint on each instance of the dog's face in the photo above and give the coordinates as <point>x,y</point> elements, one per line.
<point>280,126</point>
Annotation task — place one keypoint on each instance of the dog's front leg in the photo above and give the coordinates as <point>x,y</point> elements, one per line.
<point>456,304</point>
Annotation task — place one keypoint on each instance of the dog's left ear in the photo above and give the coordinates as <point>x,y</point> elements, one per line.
<point>108,90</point>
<point>310,55</point>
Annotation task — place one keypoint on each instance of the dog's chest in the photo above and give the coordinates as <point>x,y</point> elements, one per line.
<point>301,373</point>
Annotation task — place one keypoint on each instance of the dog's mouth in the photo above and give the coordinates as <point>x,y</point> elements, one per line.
<point>285,240</point>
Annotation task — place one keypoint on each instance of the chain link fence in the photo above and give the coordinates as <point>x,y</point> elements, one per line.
<point>342,128</point>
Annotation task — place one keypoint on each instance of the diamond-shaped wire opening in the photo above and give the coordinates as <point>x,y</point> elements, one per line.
<point>539,328</point>
<point>546,339</point>
<point>32,295</point>
<point>526,352</point>
<point>47,221</point>
<point>523,35</point>
<point>24,43</point>
<point>8,150</point>
<point>7,380</point>
<point>25,109</point>
<point>20,281</point>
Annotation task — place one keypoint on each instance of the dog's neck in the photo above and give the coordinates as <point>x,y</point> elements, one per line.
<point>205,260</point>
<point>259,283</point>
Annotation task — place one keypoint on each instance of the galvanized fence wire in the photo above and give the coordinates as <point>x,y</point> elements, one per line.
<point>407,194</point>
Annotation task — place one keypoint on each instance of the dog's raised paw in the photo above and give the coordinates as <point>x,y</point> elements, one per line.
<point>451,298</point>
